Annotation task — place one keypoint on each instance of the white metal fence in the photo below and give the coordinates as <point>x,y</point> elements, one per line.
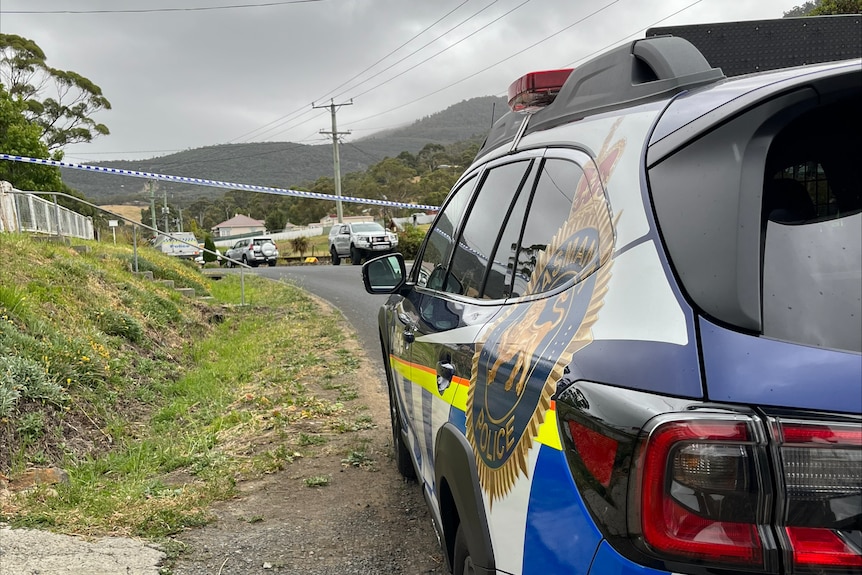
<point>25,212</point>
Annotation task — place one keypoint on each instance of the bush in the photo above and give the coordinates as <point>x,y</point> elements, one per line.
<point>117,323</point>
<point>409,241</point>
<point>299,244</point>
<point>209,245</point>
<point>23,377</point>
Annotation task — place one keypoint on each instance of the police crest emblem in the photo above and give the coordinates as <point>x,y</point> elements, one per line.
<point>525,351</point>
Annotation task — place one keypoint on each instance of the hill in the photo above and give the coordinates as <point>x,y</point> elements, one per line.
<point>153,403</point>
<point>285,164</point>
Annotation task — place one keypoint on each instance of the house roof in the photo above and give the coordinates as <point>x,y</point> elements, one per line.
<point>240,221</point>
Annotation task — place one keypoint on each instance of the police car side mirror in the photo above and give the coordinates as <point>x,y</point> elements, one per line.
<point>385,274</point>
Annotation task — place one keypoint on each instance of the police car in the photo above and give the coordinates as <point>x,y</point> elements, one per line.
<point>630,343</point>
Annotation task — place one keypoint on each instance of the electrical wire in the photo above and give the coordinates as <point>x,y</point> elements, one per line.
<point>429,58</point>
<point>368,69</point>
<point>483,70</point>
<point>154,10</point>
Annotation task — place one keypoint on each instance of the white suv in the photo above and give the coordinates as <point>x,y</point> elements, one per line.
<point>253,251</point>
<point>359,240</point>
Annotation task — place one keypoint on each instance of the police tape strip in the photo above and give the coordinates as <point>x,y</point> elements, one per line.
<point>213,183</point>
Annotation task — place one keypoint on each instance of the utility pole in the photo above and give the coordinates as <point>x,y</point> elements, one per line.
<point>153,205</point>
<point>165,211</point>
<point>335,159</point>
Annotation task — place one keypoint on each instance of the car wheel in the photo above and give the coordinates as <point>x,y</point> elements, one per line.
<point>355,256</point>
<point>271,263</point>
<point>462,563</point>
<point>335,259</point>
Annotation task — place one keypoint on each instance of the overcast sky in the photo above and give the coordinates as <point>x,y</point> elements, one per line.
<point>184,74</point>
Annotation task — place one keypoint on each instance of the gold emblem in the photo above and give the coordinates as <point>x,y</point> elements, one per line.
<point>525,351</point>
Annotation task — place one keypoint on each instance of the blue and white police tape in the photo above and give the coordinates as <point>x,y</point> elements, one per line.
<point>213,183</point>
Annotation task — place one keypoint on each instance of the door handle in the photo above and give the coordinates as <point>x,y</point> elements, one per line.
<point>409,327</point>
<point>445,372</point>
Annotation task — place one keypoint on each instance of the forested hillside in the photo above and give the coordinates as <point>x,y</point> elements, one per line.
<point>284,164</point>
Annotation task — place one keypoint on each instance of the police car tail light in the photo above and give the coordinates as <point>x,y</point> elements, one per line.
<point>536,89</point>
<point>820,517</point>
<point>703,491</point>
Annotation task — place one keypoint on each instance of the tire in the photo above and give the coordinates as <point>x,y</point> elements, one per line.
<point>462,562</point>
<point>355,256</point>
<point>271,263</point>
<point>335,259</point>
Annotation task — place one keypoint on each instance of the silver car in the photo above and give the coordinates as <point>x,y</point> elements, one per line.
<point>253,252</point>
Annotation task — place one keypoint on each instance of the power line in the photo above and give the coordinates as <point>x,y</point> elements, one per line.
<point>425,60</point>
<point>431,42</point>
<point>471,76</point>
<point>327,94</point>
<point>600,50</point>
<point>483,70</point>
<point>446,48</point>
<point>153,10</point>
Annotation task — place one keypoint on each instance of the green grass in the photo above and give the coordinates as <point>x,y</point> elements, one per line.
<point>156,404</point>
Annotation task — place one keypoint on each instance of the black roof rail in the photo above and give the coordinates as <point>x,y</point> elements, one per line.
<point>636,72</point>
<point>759,45</point>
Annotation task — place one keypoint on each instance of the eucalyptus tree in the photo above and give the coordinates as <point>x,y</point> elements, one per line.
<point>60,102</point>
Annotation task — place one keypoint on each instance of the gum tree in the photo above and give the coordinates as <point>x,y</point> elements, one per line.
<point>61,103</point>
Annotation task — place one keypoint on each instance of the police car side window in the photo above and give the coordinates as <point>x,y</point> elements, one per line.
<point>550,208</point>
<point>432,264</point>
<point>473,258</point>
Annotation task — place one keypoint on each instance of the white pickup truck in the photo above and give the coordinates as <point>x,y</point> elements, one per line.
<point>360,240</point>
<point>178,244</point>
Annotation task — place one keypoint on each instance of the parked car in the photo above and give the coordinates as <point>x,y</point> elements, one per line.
<point>253,252</point>
<point>630,342</point>
<point>182,245</point>
<point>359,241</point>
<point>200,258</point>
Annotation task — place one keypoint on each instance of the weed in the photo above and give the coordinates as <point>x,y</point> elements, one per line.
<point>30,426</point>
<point>317,481</point>
<point>357,459</point>
<point>120,324</point>
<point>8,398</point>
<point>306,439</point>
<point>342,425</point>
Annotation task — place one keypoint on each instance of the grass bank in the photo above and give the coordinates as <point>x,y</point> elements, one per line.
<point>156,404</point>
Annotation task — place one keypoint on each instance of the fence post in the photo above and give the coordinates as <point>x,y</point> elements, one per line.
<point>135,245</point>
<point>57,215</point>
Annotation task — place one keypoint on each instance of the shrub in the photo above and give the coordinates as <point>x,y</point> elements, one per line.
<point>299,244</point>
<point>409,241</point>
<point>23,377</point>
<point>116,323</point>
<point>209,245</point>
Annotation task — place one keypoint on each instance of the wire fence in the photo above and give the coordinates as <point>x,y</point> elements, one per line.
<point>24,212</point>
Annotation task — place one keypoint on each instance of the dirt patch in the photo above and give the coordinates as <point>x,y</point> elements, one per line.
<point>364,520</point>
<point>131,212</point>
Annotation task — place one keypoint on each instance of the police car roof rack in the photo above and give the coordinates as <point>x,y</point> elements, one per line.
<point>635,72</point>
<point>758,45</point>
<point>672,59</point>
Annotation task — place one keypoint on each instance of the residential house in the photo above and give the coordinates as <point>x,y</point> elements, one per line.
<point>237,226</point>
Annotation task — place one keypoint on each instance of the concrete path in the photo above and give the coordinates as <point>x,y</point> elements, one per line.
<point>30,552</point>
